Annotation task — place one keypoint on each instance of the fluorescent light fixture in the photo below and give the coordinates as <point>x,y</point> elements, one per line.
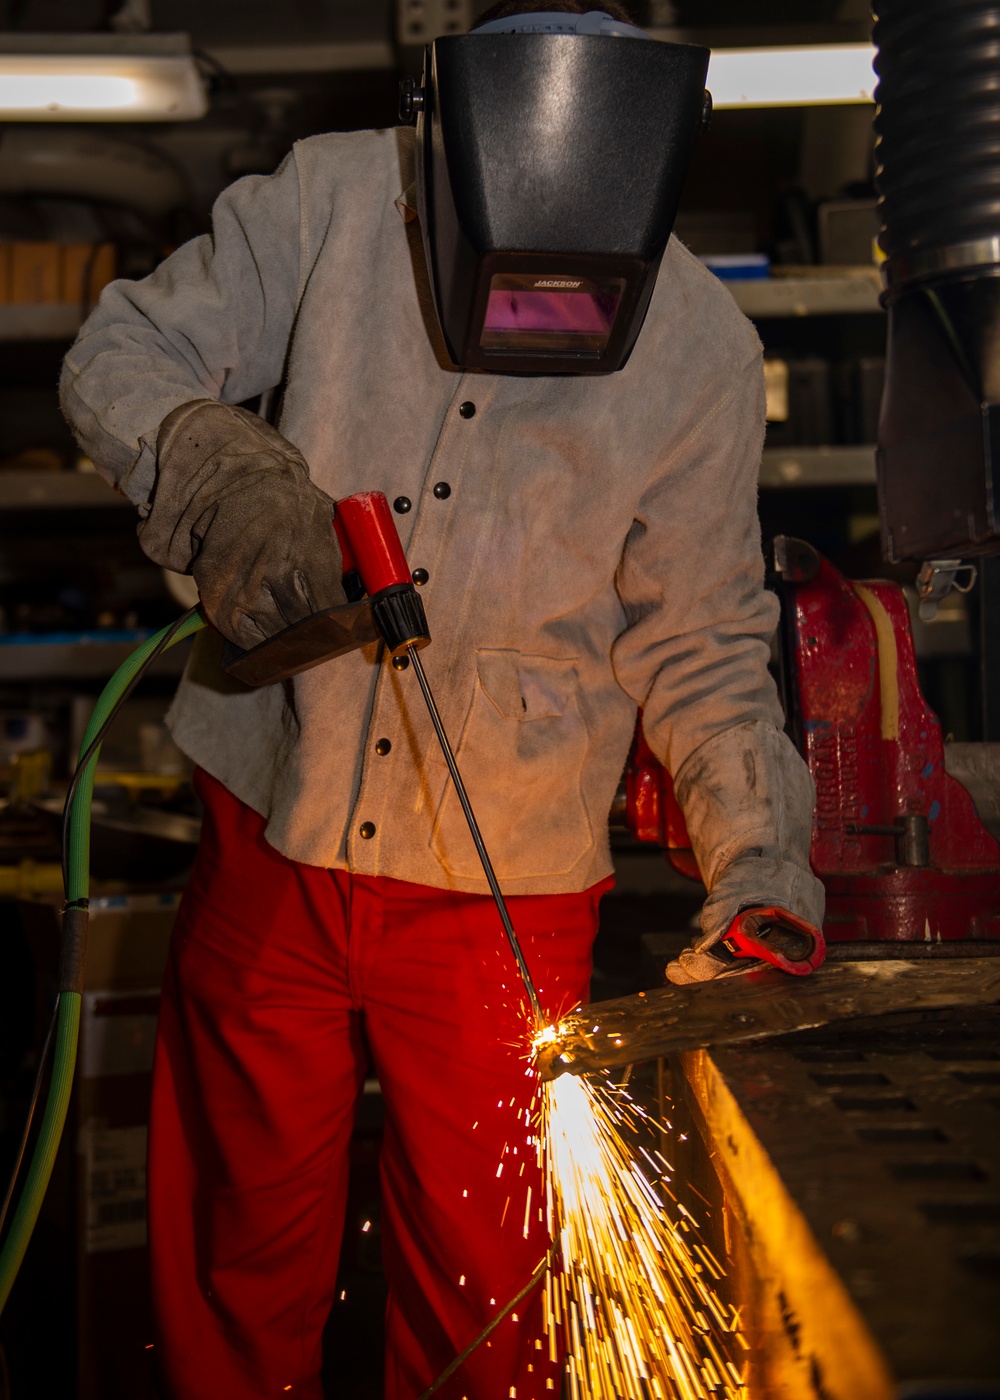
<point>821,75</point>
<point>99,77</point>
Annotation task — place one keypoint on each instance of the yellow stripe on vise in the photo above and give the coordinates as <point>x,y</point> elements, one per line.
<point>888,661</point>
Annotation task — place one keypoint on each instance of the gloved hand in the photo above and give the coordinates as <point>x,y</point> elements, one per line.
<point>747,798</point>
<point>234,506</point>
<point>756,936</point>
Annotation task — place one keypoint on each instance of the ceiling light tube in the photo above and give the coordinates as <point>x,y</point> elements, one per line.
<point>99,77</point>
<point>821,75</point>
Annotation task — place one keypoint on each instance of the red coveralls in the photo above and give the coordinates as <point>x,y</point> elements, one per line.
<point>278,974</point>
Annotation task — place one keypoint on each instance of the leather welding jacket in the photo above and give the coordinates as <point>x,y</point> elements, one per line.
<point>591,545</point>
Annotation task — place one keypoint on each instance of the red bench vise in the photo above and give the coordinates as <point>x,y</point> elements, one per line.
<point>906,861</point>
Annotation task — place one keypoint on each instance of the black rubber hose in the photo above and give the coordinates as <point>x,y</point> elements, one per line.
<point>937,122</point>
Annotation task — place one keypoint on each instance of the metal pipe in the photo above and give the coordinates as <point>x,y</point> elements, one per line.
<point>758,1004</point>
<point>477,838</point>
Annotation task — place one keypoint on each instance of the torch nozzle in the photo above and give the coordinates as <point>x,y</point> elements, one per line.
<point>548,1050</point>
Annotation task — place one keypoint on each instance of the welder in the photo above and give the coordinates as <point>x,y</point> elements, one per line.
<point>570,436</point>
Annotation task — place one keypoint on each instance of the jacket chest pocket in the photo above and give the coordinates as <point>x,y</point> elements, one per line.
<point>522,752</point>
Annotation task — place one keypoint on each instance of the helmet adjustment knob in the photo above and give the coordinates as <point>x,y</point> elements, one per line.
<point>411,101</point>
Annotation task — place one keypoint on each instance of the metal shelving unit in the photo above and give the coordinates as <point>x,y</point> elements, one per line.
<point>56,491</point>
<point>822,295</point>
<point>850,291</point>
<point>817,466</point>
<point>91,659</point>
<point>48,321</point>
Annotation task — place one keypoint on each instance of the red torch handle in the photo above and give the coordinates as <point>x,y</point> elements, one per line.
<point>369,542</point>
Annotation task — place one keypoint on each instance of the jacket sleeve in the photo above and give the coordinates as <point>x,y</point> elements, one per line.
<point>213,321</point>
<point>694,655</point>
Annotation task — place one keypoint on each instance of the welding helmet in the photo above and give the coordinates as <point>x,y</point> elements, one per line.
<point>551,149</point>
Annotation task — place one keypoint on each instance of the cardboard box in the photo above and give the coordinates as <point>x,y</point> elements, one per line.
<point>94,1219</point>
<point>87,268</point>
<point>34,273</point>
<point>806,402</point>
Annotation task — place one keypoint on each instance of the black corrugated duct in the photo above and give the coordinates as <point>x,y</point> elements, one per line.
<point>937,126</point>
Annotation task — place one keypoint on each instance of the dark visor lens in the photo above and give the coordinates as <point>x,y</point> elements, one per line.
<point>527,312</point>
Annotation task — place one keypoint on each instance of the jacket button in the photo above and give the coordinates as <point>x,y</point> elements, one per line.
<point>382,747</point>
<point>401,504</point>
<point>442,490</point>
<point>467,409</point>
<point>366,830</point>
<point>420,576</point>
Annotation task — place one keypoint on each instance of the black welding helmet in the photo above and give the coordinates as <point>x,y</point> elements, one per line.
<point>551,151</point>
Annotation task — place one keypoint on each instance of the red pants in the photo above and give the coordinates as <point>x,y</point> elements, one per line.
<point>279,974</point>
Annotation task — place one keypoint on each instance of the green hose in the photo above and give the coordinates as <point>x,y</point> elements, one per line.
<point>79,838</point>
<point>70,1000</point>
<point>67,1034</point>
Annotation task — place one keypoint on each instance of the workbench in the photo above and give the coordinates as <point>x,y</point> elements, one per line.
<point>847,1180</point>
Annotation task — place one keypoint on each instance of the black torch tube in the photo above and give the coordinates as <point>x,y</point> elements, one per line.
<point>484,858</point>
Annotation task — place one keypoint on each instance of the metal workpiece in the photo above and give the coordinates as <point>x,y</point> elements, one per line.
<point>848,1184</point>
<point>758,1004</point>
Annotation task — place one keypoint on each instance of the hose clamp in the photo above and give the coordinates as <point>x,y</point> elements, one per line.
<point>919,264</point>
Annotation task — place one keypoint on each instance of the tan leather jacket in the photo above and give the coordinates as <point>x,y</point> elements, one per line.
<point>598,548</point>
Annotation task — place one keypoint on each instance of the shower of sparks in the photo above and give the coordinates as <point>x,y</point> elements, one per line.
<point>633,1296</point>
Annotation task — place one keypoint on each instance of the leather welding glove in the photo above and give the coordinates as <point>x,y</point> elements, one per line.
<point>748,801</point>
<point>234,506</point>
